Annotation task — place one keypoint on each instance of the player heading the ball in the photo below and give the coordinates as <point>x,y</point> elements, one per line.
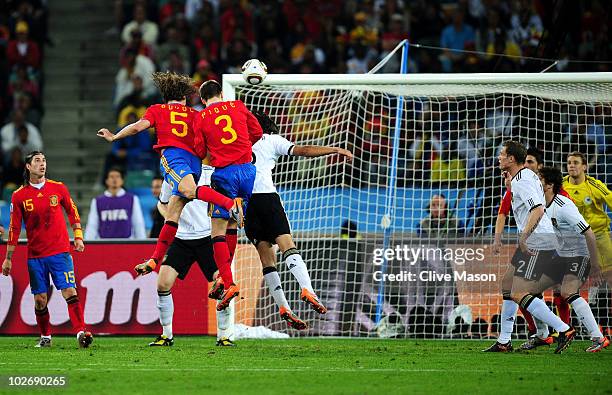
<point>181,150</point>
<point>229,131</point>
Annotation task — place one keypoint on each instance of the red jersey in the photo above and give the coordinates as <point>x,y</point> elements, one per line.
<point>506,203</point>
<point>229,131</point>
<point>41,210</point>
<point>173,125</point>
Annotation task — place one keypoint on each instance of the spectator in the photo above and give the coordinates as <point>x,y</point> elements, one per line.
<point>176,64</point>
<point>439,221</point>
<point>526,28</point>
<point>10,133</point>
<point>135,65</point>
<point>23,103</point>
<point>206,44</point>
<point>20,81</point>
<point>136,102</point>
<point>136,44</point>
<point>359,63</point>
<point>22,50</point>
<point>149,29</point>
<point>203,73</point>
<point>23,141</point>
<point>158,219</point>
<point>116,213</point>
<point>131,152</point>
<point>458,36</point>
<point>13,172</point>
<point>173,44</point>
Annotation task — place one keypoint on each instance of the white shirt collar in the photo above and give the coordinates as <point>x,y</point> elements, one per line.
<point>120,193</point>
<point>39,186</point>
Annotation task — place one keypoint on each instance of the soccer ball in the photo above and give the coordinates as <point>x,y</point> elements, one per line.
<point>254,71</point>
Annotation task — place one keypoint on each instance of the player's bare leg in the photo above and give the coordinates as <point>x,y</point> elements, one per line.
<point>570,292</point>
<point>298,268</point>
<point>524,291</point>
<point>42,319</point>
<point>222,259</point>
<point>165,281</point>
<point>75,311</point>
<point>267,256</point>
<point>166,235</point>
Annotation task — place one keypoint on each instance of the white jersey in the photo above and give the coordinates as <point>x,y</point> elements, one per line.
<point>569,226</point>
<point>194,222</point>
<point>265,154</point>
<point>527,194</point>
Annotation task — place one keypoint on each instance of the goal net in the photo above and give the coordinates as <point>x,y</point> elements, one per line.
<point>397,241</point>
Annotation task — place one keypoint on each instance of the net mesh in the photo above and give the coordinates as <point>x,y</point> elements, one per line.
<point>346,216</point>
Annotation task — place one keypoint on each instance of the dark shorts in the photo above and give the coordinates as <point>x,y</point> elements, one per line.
<point>183,253</point>
<point>532,267</point>
<point>265,218</point>
<point>579,266</point>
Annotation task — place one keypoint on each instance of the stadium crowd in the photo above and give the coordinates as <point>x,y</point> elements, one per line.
<point>23,36</point>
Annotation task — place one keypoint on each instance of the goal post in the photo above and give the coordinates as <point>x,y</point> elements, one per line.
<point>435,276</point>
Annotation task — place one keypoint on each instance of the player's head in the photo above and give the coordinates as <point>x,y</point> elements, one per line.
<point>35,166</point>
<point>173,86</point>
<point>266,123</point>
<point>533,159</point>
<point>437,206</point>
<point>513,153</point>
<point>551,178</point>
<point>210,89</point>
<point>576,164</point>
<point>156,185</point>
<point>114,179</point>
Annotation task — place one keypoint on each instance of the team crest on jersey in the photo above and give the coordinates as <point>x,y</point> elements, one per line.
<point>588,200</point>
<point>53,200</point>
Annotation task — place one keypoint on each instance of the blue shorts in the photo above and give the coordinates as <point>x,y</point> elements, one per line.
<point>176,163</point>
<point>232,181</point>
<point>59,266</point>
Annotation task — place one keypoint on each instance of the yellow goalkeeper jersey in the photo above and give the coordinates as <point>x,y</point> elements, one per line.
<point>590,197</point>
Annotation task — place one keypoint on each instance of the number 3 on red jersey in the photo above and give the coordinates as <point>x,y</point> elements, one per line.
<point>227,128</point>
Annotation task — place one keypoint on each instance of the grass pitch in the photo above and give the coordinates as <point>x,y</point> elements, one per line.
<point>125,365</point>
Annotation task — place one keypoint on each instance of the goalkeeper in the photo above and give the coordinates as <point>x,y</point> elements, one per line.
<point>266,222</point>
<point>192,243</point>
<point>591,196</point>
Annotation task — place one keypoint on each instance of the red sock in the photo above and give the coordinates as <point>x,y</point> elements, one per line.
<point>166,237</point>
<point>563,308</point>
<point>529,318</point>
<point>42,318</point>
<point>222,259</point>
<point>231,238</point>
<point>76,313</point>
<point>207,194</point>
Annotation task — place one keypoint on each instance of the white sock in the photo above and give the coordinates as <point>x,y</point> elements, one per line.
<point>298,268</point>
<point>165,305</point>
<point>49,337</point>
<point>539,310</point>
<point>542,329</point>
<point>508,315</point>
<point>274,285</point>
<point>225,322</point>
<point>585,315</point>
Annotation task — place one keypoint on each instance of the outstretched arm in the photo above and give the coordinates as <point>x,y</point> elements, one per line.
<point>129,130</point>
<point>313,151</point>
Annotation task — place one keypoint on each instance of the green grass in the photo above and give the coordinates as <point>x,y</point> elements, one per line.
<point>124,365</point>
